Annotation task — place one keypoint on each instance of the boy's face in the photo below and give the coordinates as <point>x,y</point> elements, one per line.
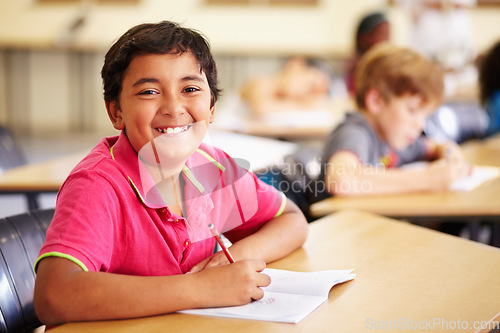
<point>400,121</point>
<point>164,95</point>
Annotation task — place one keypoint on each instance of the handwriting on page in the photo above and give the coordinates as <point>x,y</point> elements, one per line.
<point>289,298</point>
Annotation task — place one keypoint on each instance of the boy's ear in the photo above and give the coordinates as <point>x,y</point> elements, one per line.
<point>212,115</point>
<point>115,115</point>
<point>373,101</point>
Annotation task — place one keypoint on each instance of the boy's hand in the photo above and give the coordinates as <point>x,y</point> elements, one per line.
<point>445,171</point>
<point>450,151</point>
<point>216,259</point>
<point>449,166</point>
<point>235,284</point>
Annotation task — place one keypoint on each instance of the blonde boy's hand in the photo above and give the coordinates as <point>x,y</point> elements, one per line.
<point>450,151</point>
<point>445,171</point>
<point>235,284</point>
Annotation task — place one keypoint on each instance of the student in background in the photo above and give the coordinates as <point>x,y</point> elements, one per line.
<point>125,242</point>
<point>302,84</point>
<point>372,29</point>
<point>397,89</point>
<point>489,87</point>
<point>442,31</point>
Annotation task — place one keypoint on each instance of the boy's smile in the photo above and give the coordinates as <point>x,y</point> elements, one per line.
<point>164,95</point>
<point>173,130</point>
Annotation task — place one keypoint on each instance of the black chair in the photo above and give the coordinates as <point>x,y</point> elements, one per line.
<point>11,154</point>
<point>296,177</point>
<point>457,121</point>
<point>21,238</point>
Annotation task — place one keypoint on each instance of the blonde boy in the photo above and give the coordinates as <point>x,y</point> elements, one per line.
<point>397,89</point>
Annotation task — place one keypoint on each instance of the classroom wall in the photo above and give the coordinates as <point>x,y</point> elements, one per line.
<point>49,80</point>
<point>231,29</point>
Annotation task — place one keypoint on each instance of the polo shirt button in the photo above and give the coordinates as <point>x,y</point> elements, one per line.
<point>186,243</point>
<point>162,212</point>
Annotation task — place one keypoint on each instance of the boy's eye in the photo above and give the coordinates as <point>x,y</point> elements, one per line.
<point>148,92</point>
<point>191,89</point>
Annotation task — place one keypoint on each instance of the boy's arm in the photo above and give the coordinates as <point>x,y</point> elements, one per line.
<point>276,239</point>
<point>347,176</point>
<point>447,150</point>
<point>64,292</point>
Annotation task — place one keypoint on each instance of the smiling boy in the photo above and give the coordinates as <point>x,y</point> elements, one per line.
<point>129,235</point>
<point>397,89</point>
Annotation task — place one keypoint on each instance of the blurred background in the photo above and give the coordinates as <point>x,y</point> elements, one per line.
<point>51,52</point>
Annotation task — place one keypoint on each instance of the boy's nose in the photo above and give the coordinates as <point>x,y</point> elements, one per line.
<point>172,107</point>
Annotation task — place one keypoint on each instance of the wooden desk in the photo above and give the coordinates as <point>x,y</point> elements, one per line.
<point>45,176</point>
<point>256,127</point>
<point>404,273</point>
<point>485,151</point>
<point>287,125</point>
<point>483,201</point>
<point>258,151</point>
<point>36,178</point>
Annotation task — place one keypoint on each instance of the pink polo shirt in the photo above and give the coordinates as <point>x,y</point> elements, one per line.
<point>110,218</point>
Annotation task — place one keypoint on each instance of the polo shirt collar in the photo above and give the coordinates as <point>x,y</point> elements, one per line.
<point>123,153</point>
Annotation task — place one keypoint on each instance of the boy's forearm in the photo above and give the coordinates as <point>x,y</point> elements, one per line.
<point>276,239</point>
<point>65,293</point>
<point>378,181</point>
<point>87,296</point>
<point>346,176</point>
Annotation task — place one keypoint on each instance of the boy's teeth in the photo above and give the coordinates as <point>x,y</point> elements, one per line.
<point>173,130</point>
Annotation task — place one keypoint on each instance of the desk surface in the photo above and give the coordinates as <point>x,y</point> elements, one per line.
<point>48,176</point>
<point>258,151</point>
<point>482,201</point>
<point>45,176</point>
<point>289,125</point>
<point>407,275</point>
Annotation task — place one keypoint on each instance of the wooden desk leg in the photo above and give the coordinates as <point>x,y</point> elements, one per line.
<point>496,233</point>
<point>32,201</point>
<point>474,226</point>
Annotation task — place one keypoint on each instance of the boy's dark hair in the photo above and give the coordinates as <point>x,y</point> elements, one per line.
<point>489,73</point>
<point>366,26</point>
<point>156,38</point>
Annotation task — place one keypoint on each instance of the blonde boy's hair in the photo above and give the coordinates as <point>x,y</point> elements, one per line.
<point>396,71</point>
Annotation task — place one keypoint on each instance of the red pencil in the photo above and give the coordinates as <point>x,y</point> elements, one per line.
<point>217,238</point>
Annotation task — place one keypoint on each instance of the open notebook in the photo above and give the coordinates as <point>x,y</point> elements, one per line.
<point>289,298</point>
<point>479,175</point>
